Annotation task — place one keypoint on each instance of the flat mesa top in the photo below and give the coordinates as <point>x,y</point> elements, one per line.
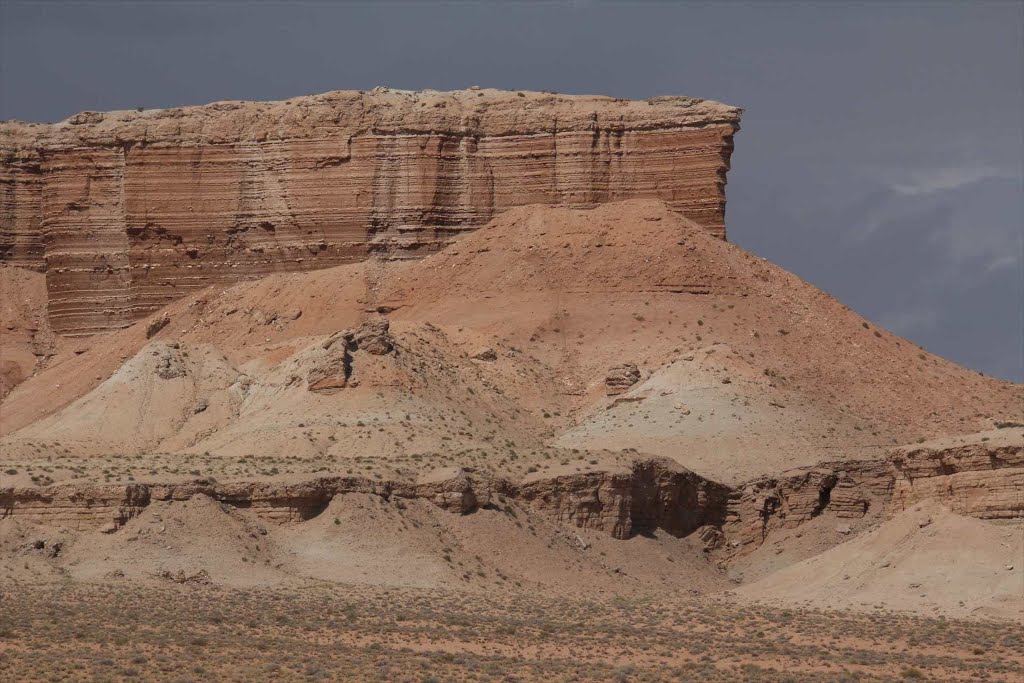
<point>345,113</point>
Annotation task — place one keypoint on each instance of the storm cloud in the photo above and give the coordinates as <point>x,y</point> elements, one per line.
<point>881,150</point>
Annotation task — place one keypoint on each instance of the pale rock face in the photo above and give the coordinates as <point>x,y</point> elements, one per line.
<point>981,479</point>
<point>126,211</point>
<point>978,480</point>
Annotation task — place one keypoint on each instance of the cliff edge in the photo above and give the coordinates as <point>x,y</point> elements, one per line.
<point>127,211</point>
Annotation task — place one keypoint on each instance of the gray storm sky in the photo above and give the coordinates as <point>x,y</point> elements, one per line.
<point>880,156</point>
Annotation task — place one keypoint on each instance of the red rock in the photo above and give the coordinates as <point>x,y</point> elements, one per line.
<point>127,211</point>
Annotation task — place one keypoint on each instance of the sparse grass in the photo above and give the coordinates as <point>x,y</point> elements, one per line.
<point>72,631</point>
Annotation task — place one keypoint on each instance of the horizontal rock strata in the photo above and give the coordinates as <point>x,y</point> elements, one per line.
<point>846,489</point>
<point>655,494</point>
<point>91,506</point>
<point>976,479</point>
<point>127,211</point>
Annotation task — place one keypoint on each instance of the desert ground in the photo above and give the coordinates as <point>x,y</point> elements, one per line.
<point>87,631</point>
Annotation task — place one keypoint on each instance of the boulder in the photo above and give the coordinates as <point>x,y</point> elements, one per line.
<point>485,354</point>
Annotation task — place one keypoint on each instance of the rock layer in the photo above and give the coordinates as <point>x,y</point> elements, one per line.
<point>654,494</point>
<point>974,479</point>
<point>846,489</point>
<point>977,479</point>
<point>983,478</point>
<point>126,211</point>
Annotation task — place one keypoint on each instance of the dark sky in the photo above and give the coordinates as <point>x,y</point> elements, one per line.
<point>881,150</point>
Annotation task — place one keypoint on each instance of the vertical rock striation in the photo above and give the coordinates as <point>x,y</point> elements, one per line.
<point>126,211</point>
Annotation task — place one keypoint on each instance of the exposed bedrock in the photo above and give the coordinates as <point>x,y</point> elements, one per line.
<point>974,479</point>
<point>90,506</point>
<point>847,489</point>
<point>982,479</point>
<point>127,211</point>
<point>978,480</point>
<point>654,494</point>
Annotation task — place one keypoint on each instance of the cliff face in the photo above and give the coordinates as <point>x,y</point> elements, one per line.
<point>655,494</point>
<point>980,476</point>
<point>126,211</point>
<point>980,479</point>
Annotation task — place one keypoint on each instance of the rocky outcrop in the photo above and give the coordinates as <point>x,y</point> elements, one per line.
<point>91,506</point>
<point>486,354</point>
<point>76,506</point>
<point>26,340</point>
<point>847,489</point>
<point>589,500</point>
<point>169,361</point>
<point>126,211</point>
<point>981,478</point>
<point>655,494</point>
<point>372,336</point>
<point>977,479</point>
<point>668,496</point>
<point>155,325</point>
<point>333,370</point>
<point>620,378</point>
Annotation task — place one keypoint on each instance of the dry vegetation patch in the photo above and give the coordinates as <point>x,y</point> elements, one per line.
<point>102,632</point>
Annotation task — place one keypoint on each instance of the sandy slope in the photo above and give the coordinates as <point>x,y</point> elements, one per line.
<point>633,281</point>
<point>926,560</point>
<point>199,537</point>
<point>781,374</point>
<point>164,396</point>
<point>715,413</point>
<point>358,539</point>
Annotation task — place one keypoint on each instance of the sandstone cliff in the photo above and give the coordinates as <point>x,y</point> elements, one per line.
<point>653,494</point>
<point>980,477</point>
<point>127,211</point>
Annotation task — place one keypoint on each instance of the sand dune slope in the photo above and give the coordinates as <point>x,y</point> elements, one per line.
<point>925,560</point>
